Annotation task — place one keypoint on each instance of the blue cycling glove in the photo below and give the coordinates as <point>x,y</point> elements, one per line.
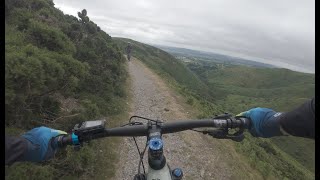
<point>39,143</point>
<point>265,122</point>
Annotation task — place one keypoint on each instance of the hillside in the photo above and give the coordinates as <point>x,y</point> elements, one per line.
<point>238,88</point>
<point>60,70</point>
<point>235,88</point>
<point>246,87</point>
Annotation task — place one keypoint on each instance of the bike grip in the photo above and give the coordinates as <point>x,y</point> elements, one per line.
<point>61,141</point>
<point>246,122</point>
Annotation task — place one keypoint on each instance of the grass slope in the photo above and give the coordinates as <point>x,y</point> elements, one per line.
<point>238,88</point>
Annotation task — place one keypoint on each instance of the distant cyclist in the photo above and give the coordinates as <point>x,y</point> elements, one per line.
<point>35,145</point>
<point>128,50</point>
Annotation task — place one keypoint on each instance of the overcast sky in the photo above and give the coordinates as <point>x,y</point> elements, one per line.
<point>278,32</point>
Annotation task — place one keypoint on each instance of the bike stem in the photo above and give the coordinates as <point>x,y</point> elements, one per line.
<point>156,159</point>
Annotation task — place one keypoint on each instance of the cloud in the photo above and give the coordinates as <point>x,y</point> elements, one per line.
<point>279,32</point>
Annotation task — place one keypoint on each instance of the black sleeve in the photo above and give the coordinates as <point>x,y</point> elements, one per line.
<point>15,147</point>
<point>300,121</point>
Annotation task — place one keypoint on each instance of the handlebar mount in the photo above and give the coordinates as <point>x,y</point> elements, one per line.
<point>233,122</point>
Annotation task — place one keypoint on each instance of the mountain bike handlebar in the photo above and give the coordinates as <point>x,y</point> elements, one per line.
<point>78,137</point>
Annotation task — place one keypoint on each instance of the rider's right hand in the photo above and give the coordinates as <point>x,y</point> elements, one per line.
<point>265,122</point>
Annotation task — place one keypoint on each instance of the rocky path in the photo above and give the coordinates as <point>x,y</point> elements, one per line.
<point>187,150</point>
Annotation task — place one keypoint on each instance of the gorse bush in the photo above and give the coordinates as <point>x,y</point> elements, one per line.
<point>49,53</point>
<point>52,59</point>
<point>53,39</point>
<point>33,74</point>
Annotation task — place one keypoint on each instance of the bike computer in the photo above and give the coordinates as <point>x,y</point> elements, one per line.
<point>91,124</point>
<point>89,127</point>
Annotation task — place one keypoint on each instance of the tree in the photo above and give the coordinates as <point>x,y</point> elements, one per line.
<point>84,12</point>
<point>83,16</point>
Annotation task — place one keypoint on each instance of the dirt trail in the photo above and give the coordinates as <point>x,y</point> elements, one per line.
<point>187,150</point>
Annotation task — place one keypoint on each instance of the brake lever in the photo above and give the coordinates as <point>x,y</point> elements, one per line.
<point>224,134</point>
<point>222,116</point>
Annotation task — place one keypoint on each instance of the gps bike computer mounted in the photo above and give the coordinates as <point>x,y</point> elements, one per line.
<point>89,128</point>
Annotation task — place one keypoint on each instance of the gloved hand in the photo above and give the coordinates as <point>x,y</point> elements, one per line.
<point>39,143</point>
<point>264,122</point>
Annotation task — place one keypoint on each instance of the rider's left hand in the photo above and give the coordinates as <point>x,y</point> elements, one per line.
<point>39,143</point>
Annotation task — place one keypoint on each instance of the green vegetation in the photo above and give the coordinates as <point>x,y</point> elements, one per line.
<point>238,88</point>
<point>60,70</point>
<point>214,88</point>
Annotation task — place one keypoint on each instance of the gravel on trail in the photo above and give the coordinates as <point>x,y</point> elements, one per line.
<point>187,150</point>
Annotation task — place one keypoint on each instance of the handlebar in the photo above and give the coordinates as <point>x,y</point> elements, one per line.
<point>143,129</point>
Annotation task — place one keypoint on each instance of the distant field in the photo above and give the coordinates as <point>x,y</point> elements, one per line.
<point>213,57</point>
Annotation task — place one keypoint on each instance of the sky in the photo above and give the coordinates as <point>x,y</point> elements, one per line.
<point>277,32</point>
